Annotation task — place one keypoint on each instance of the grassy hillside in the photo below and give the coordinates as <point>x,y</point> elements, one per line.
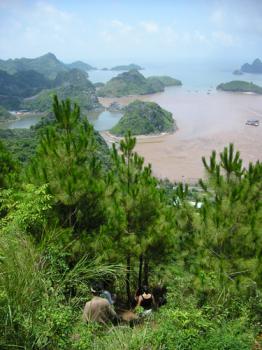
<point>143,118</point>
<point>240,86</point>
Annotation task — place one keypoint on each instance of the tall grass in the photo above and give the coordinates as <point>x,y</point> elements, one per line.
<point>34,312</point>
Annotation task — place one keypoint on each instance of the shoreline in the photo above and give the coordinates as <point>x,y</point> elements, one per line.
<point>109,137</point>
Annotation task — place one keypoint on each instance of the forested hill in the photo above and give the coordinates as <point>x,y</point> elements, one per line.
<point>73,84</point>
<point>144,118</point>
<point>134,83</point>
<point>16,88</point>
<point>48,65</point>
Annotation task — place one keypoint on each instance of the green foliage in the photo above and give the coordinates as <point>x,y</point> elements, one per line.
<point>68,161</point>
<point>143,118</point>
<point>21,143</point>
<point>26,208</point>
<point>73,84</point>
<point>229,239</point>
<point>240,86</point>
<point>8,166</point>
<point>20,85</point>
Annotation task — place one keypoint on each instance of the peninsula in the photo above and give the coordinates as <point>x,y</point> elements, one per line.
<point>134,83</point>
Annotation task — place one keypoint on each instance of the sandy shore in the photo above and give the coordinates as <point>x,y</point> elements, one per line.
<point>205,122</point>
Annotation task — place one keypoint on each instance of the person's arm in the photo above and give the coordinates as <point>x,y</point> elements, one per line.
<point>139,301</point>
<point>113,316</point>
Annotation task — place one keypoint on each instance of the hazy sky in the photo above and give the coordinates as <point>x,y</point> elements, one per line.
<point>125,31</point>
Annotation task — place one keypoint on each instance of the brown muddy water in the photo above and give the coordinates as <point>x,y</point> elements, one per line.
<point>206,122</point>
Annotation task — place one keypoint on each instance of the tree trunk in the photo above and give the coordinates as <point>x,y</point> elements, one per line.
<point>139,284</point>
<point>146,271</point>
<point>128,268</point>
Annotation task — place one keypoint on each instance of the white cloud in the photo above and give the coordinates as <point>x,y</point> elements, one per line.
<point>218,17</point>
<point>224,38</point>
<point>121,25</point>
<point>150,26</point>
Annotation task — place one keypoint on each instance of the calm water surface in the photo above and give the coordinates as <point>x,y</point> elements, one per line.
<point>101,120</point>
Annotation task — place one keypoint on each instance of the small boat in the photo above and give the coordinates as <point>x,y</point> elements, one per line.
<point>253,122</point>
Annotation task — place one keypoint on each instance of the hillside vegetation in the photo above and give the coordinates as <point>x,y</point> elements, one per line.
<point>133,83</point>
<point>13,88</point>
<point>240,86</point>
<point>143,118</point>
<point>67,220</point>
<point>5,115</point>
<point>30,90</point>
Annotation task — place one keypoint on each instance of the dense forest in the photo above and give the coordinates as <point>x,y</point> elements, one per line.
<point>77,212</point>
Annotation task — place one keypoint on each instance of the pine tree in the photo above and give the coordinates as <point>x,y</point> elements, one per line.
<point>136,210</point>
<point>67,161</point>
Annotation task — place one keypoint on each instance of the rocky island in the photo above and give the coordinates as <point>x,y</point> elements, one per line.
<point>255,68</point>
<point>127,67</point>
<point>134,83</point>
<point>144,118</point>
<point>240,86</point>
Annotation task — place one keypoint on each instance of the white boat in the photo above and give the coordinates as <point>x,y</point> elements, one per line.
<point>253,122</point>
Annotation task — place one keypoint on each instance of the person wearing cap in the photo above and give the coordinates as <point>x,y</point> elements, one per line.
<point>99,308</point>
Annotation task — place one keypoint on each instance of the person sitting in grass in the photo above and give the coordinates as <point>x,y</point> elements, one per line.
<point>100,307</point>
<point>145,299</point>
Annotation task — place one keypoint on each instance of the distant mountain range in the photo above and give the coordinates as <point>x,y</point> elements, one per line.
<point>255,68</point>
<point>48,65</point>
